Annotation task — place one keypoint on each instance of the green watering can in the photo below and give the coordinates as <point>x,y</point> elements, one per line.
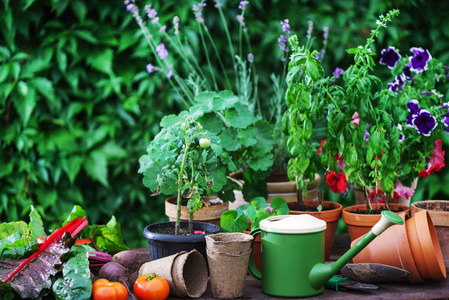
<point>293,253</point>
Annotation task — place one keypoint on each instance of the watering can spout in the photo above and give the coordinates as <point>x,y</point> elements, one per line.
<point>321,273</point>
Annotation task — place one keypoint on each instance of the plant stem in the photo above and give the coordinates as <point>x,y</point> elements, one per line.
<point>181,172</point>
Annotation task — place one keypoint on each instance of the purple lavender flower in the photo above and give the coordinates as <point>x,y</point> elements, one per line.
<point>250,57</point>
<point>169,74</point>
<point>407,73</point>
<point>285,26</point>
<point>390,57</point>
<point>176,24</point>
<point>198,10</point>
<point>218,3</point>
<point>151,12</point>
<point>419,60</point>
<point>325,34</point>
<point>414,109</point>
<point>161,51</point>
<point>241,20</point>
<point>338,72</point>
<point>243,4</point>
<point>151,68</point>
<point>424,122</point>
<point>309,29</point>
<point>282,42</point>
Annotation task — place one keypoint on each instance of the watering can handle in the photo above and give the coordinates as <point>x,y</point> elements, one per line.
<point>252,269</point>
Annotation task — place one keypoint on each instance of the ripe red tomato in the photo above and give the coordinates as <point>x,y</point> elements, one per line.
<point>151,287</point>
<point>102,289</point>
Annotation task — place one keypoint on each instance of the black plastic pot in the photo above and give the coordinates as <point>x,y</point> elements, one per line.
<point>162,245</point>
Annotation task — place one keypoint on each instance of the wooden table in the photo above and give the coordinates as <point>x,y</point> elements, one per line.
<point>424,290</point>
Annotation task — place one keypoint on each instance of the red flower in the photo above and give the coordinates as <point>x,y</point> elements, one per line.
<point>380,196</point>
<point>355,119</point>
<point>336,182</point>
<point>321,147</point>
<point>436,161</point>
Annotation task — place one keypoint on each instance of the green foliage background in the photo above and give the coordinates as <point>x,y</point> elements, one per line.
<point>77,108</point>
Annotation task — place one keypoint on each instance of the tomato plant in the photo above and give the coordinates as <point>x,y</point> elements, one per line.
<point>102,289</point>
<point>205,143</point>
<point>151,287</point>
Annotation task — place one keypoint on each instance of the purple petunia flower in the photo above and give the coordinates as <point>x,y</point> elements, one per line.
<point>390,57</point>
<point>367,135</point>
<point>338,72</point>
<point>161,51</point>
<point>407,73</point>
<point>414,109</point>
<point>424,122</point>
<point>418,63</point>
<point>285,26</point>
<point>397,84</point>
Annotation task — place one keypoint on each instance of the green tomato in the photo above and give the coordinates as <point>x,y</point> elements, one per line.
<point>205,143</point>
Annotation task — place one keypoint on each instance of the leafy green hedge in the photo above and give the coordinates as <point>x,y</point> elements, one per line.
<point>77,108</point>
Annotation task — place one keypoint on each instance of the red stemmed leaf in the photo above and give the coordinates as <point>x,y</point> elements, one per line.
<point>29,276</point>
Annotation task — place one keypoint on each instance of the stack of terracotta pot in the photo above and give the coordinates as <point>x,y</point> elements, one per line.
<point>416,249</point>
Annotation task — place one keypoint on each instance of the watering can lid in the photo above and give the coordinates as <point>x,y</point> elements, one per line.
<point>292,224</point>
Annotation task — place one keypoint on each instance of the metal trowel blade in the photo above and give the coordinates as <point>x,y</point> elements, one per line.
<point>375,273</point>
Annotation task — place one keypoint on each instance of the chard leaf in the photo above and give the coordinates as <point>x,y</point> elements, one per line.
<point>108,237</point>
<point>35,275</point>
<point>36,225</point>
<point>75,283</point>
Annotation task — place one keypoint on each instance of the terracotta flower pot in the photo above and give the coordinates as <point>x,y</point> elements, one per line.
<point>413,247</point>
<point>257,251</point>
<point>359,222</point>
<point>439,213</point>
<point>285,189</point>
<point>330,214</point>
<point>210,214</point>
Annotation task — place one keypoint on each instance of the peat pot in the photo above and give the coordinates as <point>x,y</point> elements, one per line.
<point>162,245</point>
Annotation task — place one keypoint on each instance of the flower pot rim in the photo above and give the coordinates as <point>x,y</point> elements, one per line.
<point>179,238</point>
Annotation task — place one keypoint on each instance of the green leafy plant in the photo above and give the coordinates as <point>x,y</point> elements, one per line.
<point>197,149</point>
<point>237,220</point>
<point>35,265</point>
<point>364,124</point>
